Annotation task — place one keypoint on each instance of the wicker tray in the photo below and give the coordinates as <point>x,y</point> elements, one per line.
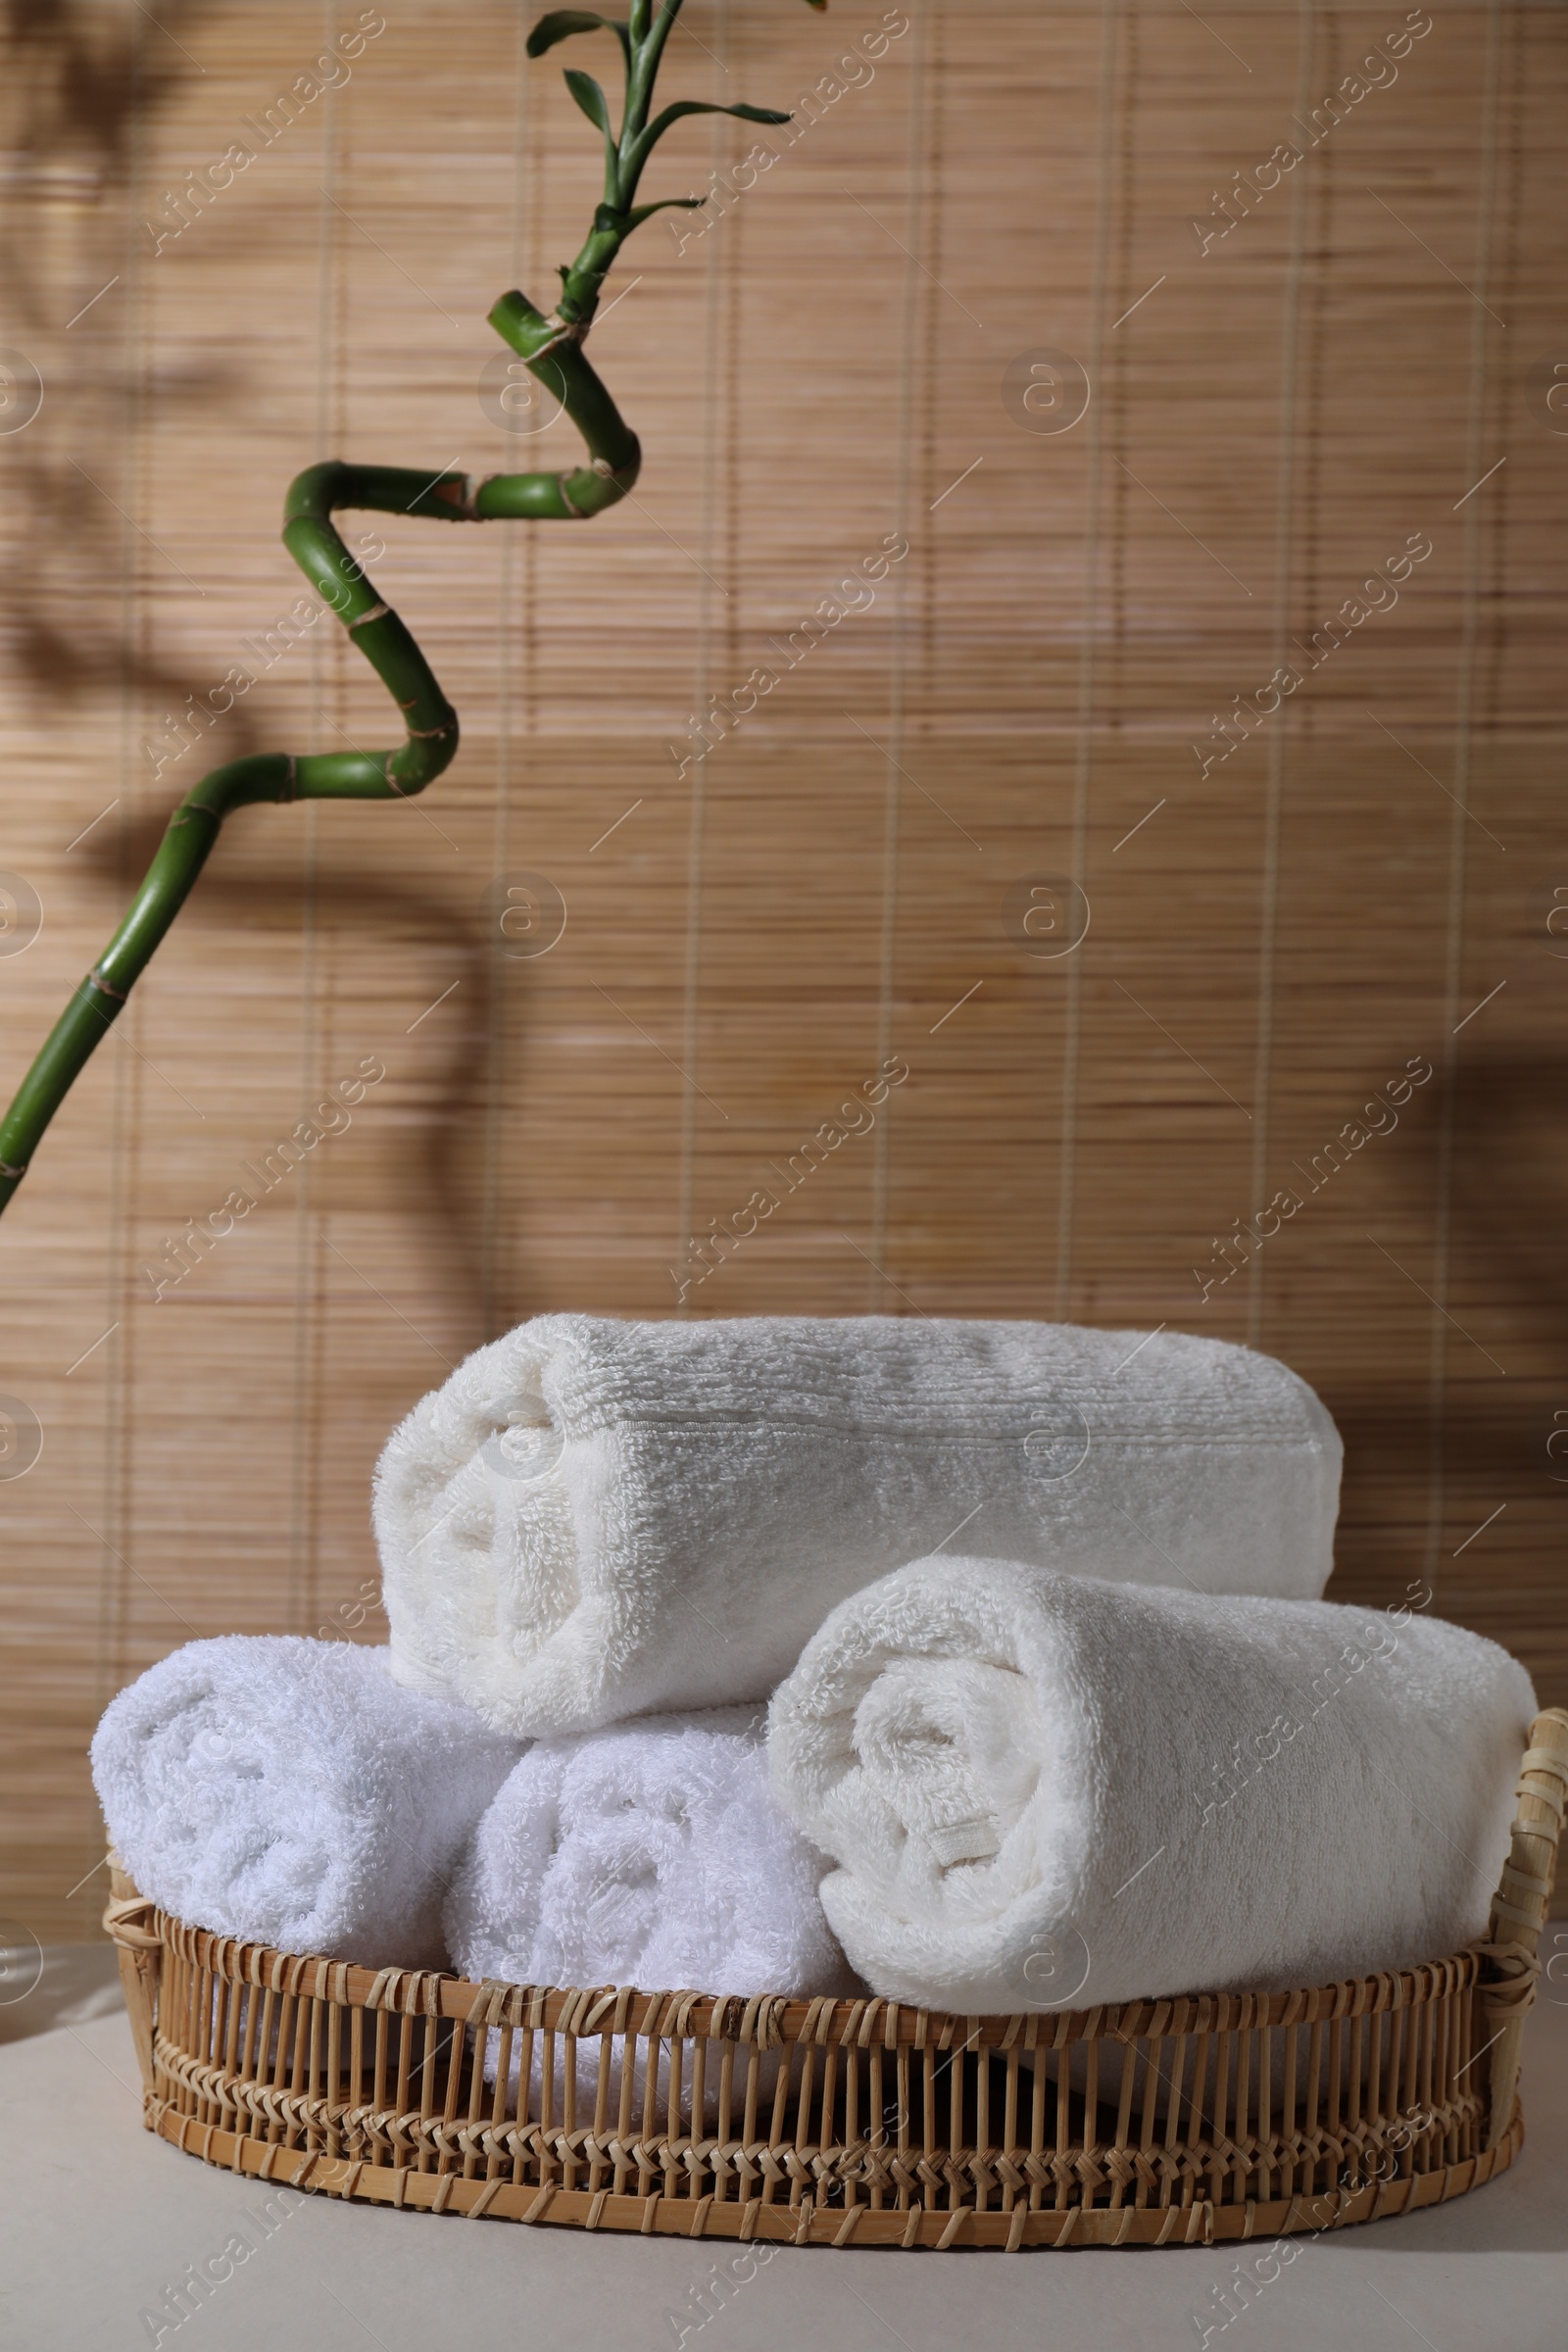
<point>864,2123</point>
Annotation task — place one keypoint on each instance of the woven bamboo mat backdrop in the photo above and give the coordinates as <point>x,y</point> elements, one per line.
<point>1016,728</point>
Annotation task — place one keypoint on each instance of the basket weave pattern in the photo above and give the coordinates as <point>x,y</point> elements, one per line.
<point>1172,2121</point>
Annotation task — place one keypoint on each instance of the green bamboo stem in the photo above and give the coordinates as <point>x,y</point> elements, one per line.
<point>552,349</point>
<point>431,723</point>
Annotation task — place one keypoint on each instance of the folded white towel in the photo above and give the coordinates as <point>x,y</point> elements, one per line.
<point>593,1519</point>
<point>288,1793</point>
<point>652,1854</point>
<point>1046,1791</point>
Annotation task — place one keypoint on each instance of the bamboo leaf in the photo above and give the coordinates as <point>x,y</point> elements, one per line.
<point>685,203</point>
<point>562,23</point>
<point>590,97</point>
<point>699,106</point>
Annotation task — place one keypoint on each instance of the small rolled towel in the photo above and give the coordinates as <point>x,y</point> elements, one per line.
<point>1045,1792</point>
<point>289,1792</point>
<point>652,1854</point>
<point>594,1519</point>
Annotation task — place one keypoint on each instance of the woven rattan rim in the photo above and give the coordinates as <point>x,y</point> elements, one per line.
<point>773,2021</point>
<point>1199,2222</point>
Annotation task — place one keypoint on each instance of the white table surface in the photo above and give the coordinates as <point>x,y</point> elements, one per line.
<point>99,2219</point>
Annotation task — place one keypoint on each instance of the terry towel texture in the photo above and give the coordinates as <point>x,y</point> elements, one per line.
<point>653,1854</point>
<point>593,1519</point>
<point>1045,1792</point>
<point>288,1792</point>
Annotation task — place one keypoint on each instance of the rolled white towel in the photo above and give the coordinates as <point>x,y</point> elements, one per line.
<point>1045,1792</point>
<point>652,1854</point>
<point>593,1519</point>
<point>289,1792</point>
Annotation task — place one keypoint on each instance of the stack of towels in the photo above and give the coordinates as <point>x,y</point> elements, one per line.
<point>687,1686</point>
